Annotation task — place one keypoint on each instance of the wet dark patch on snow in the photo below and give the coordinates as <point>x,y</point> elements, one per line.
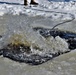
<point>22,53</point>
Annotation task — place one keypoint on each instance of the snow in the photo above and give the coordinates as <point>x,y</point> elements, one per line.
<point>55,9</point>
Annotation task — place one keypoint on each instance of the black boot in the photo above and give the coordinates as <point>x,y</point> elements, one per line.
<point>25,2</point>
<point>33,2</point>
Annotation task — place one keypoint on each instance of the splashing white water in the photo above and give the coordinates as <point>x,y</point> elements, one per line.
<point>19,29</point>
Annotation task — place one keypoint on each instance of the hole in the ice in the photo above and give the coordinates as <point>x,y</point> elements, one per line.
<point>22,53</point>
<point>72,44</point>
<point>69,36</point>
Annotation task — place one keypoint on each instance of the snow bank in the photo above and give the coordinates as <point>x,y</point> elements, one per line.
<point>46,8</point>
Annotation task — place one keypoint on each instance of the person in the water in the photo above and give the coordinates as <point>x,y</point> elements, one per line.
<point>32,2</point>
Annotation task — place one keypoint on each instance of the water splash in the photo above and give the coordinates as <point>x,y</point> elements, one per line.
<point>19,30</point>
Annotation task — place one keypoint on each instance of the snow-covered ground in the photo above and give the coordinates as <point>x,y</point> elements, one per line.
<point>55,9</point>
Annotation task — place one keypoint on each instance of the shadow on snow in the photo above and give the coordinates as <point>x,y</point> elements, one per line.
<point>10,3</point>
